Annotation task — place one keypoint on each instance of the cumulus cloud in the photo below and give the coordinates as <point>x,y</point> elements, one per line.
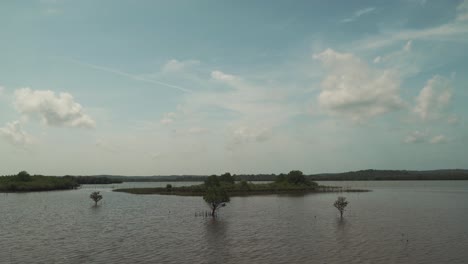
<point>352,89</point>
<point>173,65</point>
<point>223,77</point>
<point>54,110</point>
<point>433,98</point>
<point>14,133</point>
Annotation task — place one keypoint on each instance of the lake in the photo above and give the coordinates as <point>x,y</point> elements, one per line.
<point>398,222</point>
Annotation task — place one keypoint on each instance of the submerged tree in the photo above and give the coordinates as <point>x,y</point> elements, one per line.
<point>341,204</point>
<point>96,197</point>
<point>216,197</point>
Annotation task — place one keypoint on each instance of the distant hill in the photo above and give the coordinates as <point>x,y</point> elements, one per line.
<point>392,175</point>
<point>362,175</point>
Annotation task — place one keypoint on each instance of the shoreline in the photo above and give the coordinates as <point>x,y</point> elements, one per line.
<point>187,191</point>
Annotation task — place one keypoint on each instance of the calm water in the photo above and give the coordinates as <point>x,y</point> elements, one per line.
<point>399,222</point>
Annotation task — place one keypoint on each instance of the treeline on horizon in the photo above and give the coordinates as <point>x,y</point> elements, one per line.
<point>362,175</point>
<point>24,182</point>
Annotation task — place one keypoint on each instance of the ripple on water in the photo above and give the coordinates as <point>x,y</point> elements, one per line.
<point>389,225</point>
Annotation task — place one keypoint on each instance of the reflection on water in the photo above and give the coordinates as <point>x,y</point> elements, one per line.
<point>399,222</point>
<point>216,236</point>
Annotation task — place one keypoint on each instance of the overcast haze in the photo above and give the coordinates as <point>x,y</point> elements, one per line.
<point>202,87</point>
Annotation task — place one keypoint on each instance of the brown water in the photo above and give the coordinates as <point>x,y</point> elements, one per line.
<point>399,222</point>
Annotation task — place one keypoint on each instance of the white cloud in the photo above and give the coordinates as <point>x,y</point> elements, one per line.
<point>403,60</point>
<point>462,11</point>
<point>54,110</point>
<point>174,65</point>
<point>433,98</point>
<point>407,46</point>
<point>453,120</point>
<point>14,133</point>
<point>197,130</point>
<point>130,76</point>
<point>223,77</point>
<point>455,30</point>
<point>351,89</point>
<point>416,137</point>
<point>53,11</point>
<point>377,59</point>
<point>168,118</point>
<point>399,56</point>
<point>358,14</point>
<point>440,139</point>
<point>243,134</point>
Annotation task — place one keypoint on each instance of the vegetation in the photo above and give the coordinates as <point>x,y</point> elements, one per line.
<point>96,197</point>
<point>216,197</point>
<point>363,175</point>
<point>341,204</point>
<point>293,182</point>
<point>393,175</point>
<point>24,182</point>
<point>215,194</point>
<point>93,180</point>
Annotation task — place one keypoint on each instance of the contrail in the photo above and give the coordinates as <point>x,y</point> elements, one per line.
<point>131,76</point>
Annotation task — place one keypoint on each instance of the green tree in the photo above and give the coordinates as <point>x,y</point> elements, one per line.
<point>96,197</point>
<point>216,197</point>
<point>169,187</point>
<point>212,181</point>
<point>296,177</point>
<point>341,204</point>
<point>244,185</point>
<point>226,177</point>
<point>281,178</point>
<point>23,176</point>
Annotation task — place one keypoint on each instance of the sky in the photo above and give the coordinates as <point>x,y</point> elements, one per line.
<point>206,87</point>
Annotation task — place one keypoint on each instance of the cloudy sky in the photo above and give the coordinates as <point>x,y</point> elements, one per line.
<point>202,87</point>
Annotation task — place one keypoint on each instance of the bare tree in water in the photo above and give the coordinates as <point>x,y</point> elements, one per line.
<point>341,204</point>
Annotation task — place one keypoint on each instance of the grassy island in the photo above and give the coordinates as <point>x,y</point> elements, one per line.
<point>23,182</point>
<point>294,182</point>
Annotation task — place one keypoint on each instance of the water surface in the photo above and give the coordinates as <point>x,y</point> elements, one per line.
<point>398,222</point>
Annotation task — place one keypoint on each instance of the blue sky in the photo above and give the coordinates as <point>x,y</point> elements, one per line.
<point>202,87</point>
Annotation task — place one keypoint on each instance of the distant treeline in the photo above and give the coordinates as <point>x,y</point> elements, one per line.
<point>363,175</point>
<point>93,179</point>
<point>393,175</point>
<point>24,182</point>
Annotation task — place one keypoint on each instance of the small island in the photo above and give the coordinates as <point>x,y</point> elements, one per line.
<point>24,182</point>
<point>295,182</point>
